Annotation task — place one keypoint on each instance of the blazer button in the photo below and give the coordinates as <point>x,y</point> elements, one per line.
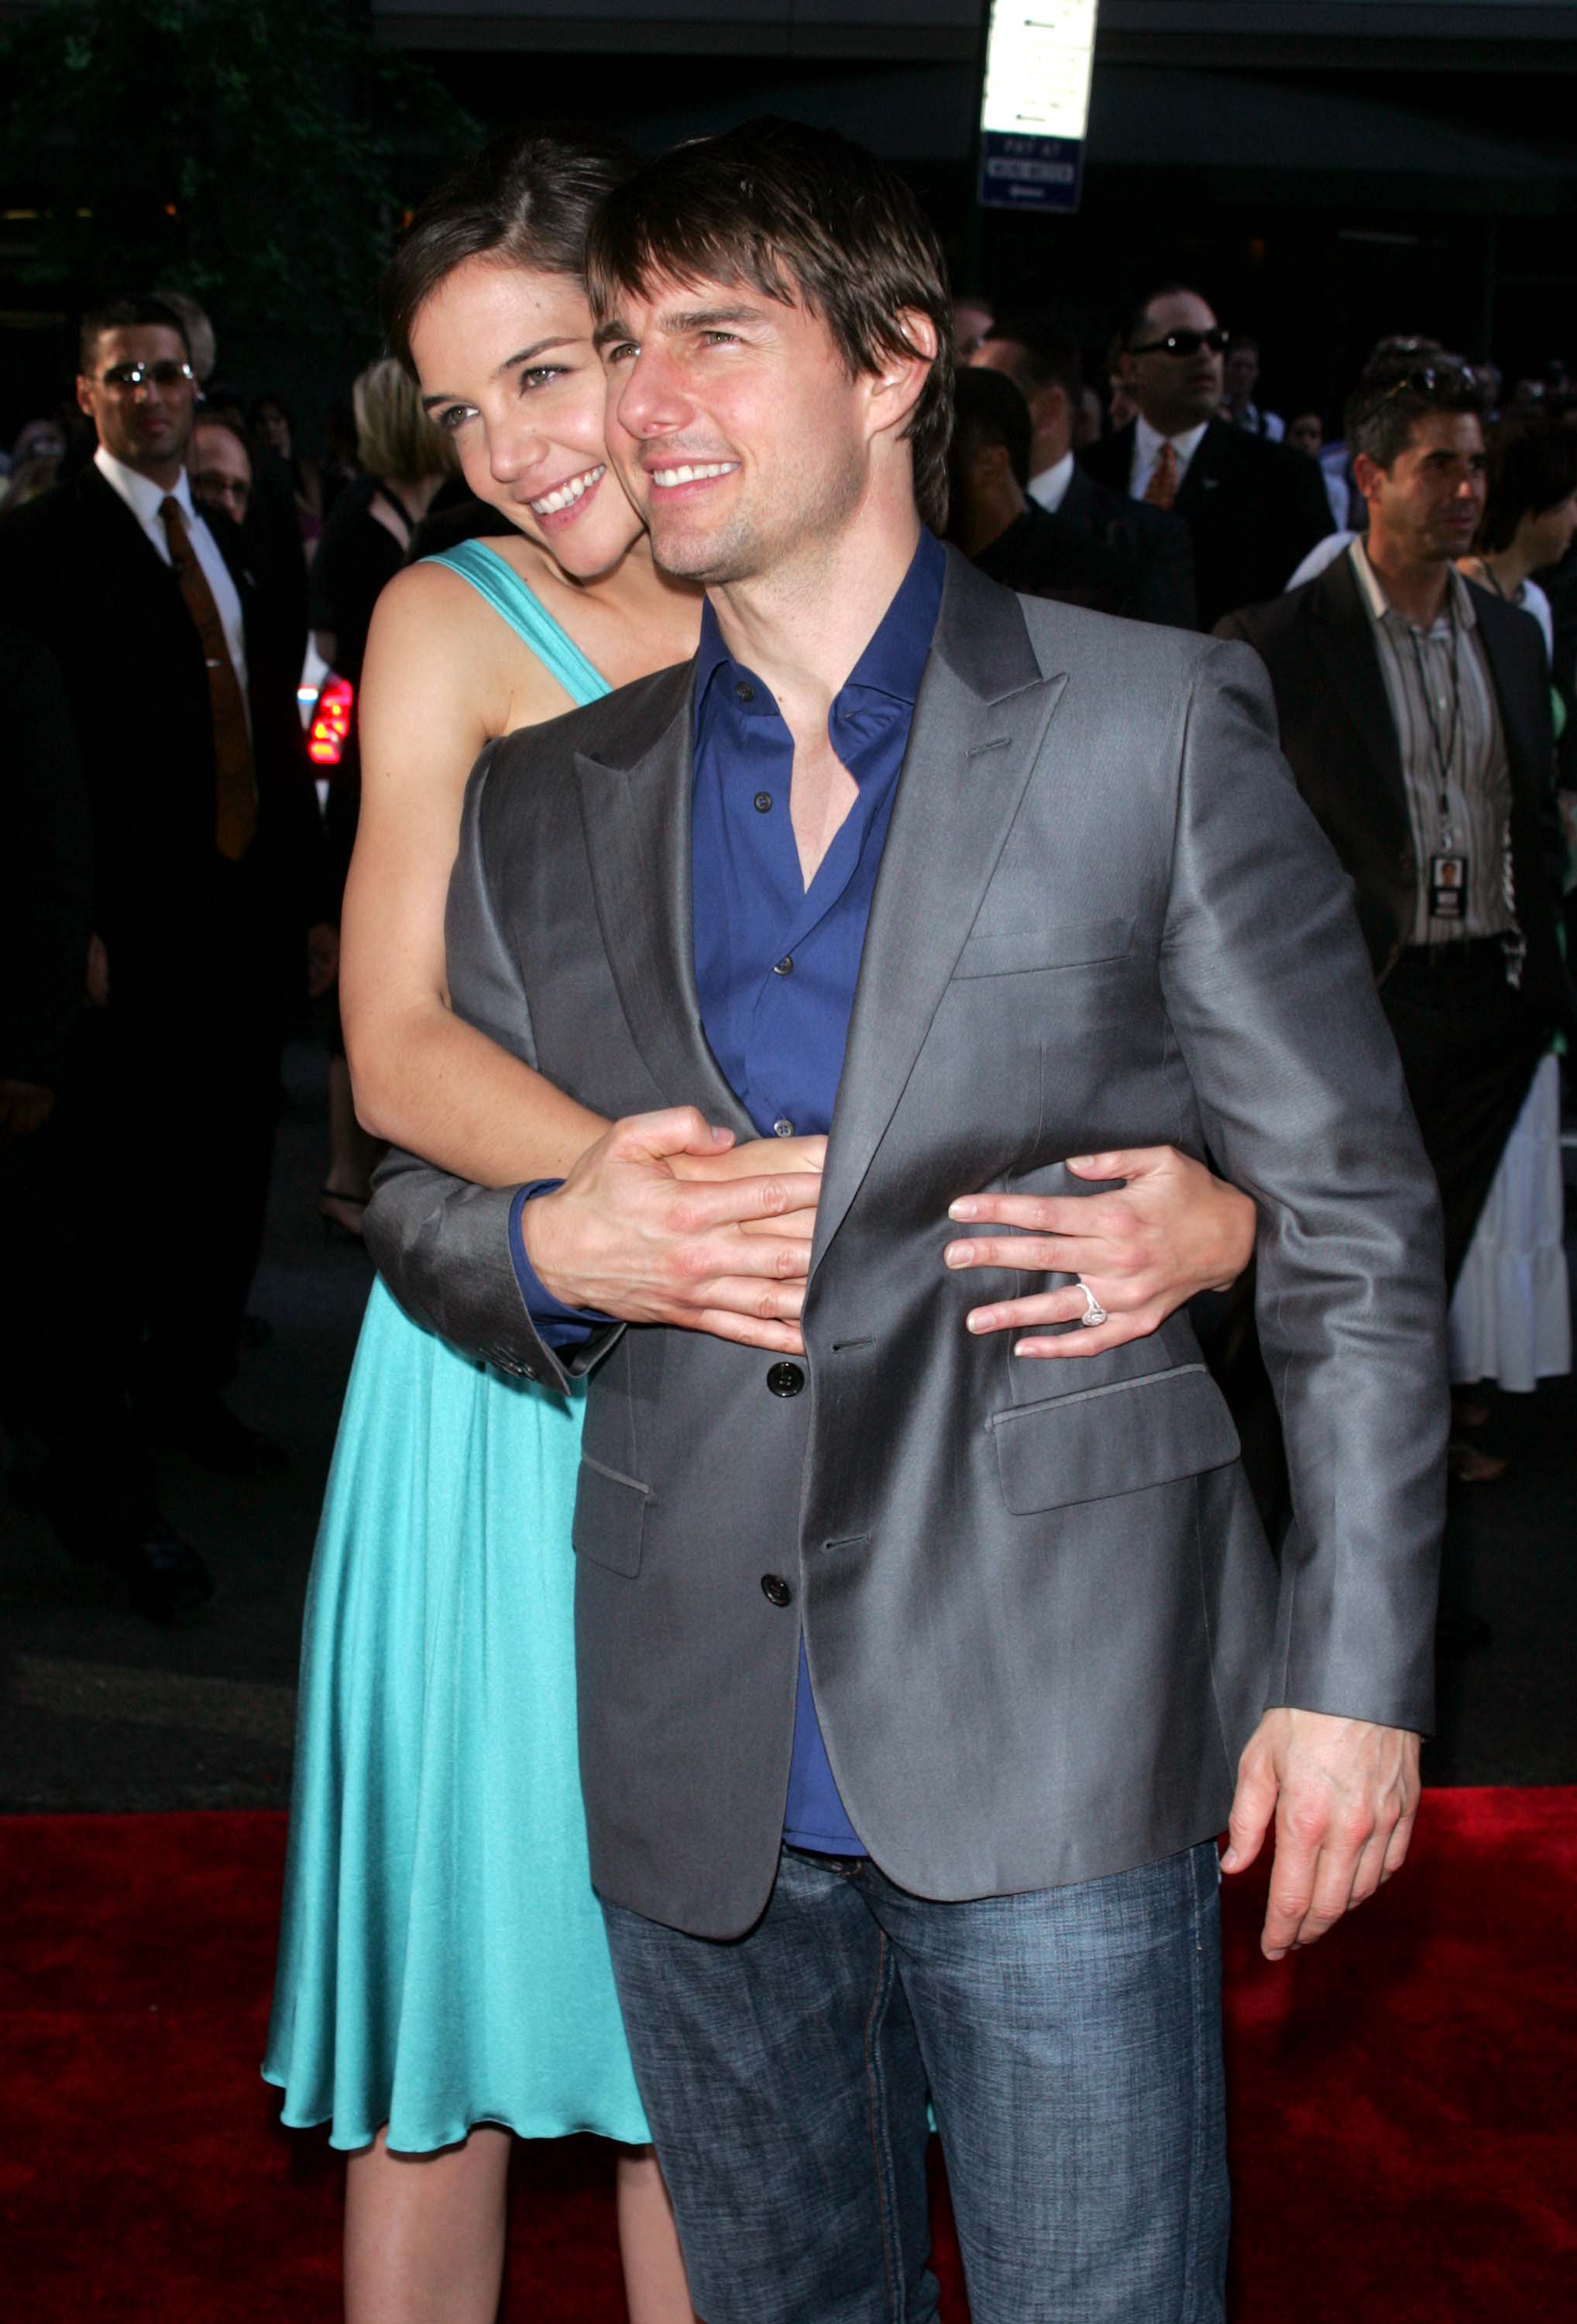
<point>785,1380</point>
<point>775,1590</point>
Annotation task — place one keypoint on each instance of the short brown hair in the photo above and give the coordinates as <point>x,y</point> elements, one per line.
<point>801,215</point>
<point>527,200</point>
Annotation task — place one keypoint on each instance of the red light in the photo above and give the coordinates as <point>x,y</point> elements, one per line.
<point>330,729</point>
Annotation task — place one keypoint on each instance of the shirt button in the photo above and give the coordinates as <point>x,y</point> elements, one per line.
<point>783,967</point>
<point>785,1380</point>
<point>782,1127</point>
<point>744,692</point>
<point>763,802</point>
<point>775,1590</point>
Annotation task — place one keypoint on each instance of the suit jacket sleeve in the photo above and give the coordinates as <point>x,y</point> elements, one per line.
<point>1306,513</point>
<point>46,841</point>
<point>442,1245</point>
<point>1166,588</point>
<point>1272,1002</point>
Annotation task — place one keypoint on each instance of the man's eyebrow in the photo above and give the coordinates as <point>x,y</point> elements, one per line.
<point>606,333</point>
<point>677,321</point>
<point>511,363</point>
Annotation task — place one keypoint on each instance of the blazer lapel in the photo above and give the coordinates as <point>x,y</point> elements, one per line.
<point>1339,626</point>
<point>979,726</point>
<point>636,823</point>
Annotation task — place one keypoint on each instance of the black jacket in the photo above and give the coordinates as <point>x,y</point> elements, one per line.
<point>1338,735</point>
<point>79,576</point>
<point>46,881</point>
<point>1254,511</point>
<point>1155,542</point>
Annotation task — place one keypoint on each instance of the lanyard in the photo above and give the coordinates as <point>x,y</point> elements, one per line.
<point>1445,751</point>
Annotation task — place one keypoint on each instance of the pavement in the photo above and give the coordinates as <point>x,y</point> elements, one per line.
<point>100,1710</point>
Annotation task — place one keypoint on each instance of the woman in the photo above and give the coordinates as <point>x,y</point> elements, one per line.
<point>273,424</point>
<point>1510,1319</point>
<point>442,1968</point>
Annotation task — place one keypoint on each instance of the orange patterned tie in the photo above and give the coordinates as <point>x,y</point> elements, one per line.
<point>1162,489</point>
<point>235,787</point>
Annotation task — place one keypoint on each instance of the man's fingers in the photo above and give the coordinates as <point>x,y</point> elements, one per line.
<point>698,1207</point>
<point>1127,1162</point>
<point>748,1330</point>
<point>1399,1842</point>
<point>1253,1806</point>
<point>1292,1891</point>
<point>677,1129</point>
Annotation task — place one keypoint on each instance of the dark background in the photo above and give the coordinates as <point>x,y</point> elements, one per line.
<point>1326,169</point>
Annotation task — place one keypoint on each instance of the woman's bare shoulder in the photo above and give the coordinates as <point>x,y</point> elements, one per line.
<point>436,640</point>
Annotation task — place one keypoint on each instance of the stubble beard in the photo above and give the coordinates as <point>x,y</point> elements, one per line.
<point>793,513</point>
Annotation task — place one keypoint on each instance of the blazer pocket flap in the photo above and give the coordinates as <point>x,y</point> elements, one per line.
<point>610,1517</point>
<point>1067,943</point>
<point>1104,1441</point>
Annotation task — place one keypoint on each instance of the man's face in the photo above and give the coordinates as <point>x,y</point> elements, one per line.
<point>148,426</point>
<point>1242,373</point>
<point>972,323</point>
<point>1175,391</point>
<point>734,426</point>
<point>1050,409</point>
<point>221,470</point>
<point>1426,506</point>
<point>1306,433</point>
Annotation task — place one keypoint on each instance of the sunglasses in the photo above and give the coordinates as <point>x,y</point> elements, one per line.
<point>125,378</point>
<point>1446,371</point>
<point>1186,342</point>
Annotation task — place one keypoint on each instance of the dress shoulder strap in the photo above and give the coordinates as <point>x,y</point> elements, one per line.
<point>493,578</point>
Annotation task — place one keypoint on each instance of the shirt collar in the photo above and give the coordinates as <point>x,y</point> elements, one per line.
<point>141,495</point>
<point>1150,440</point>
<point>1050,487</point>
<point>1459,595</point>
<point>894,661</point>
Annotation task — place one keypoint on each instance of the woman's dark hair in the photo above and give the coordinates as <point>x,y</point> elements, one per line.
<point>801,215</point>
<point>528,200</point>
<point>1532,467</point>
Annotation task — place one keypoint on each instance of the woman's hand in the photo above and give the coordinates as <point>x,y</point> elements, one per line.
<point>760,1157</point>
<point>1173,1230</point>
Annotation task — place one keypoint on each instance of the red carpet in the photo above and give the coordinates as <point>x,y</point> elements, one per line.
<point>1404,2099</point>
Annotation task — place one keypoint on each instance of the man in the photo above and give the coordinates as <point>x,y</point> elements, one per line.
<point>205,856</point>
<point>221,469</point>
<point>1240,378</point>
<point>911,1684</point>
<point>1041,357</point>
<point>1415,710</point>
<point>1253,508</point>
<point>991,518</point>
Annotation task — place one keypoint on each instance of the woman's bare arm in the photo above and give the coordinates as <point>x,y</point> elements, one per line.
<point>423,1078</point>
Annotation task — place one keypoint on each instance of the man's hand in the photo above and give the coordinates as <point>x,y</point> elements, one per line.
<point>1344,1794</point>
<point>322,959</point>
<point>24,1107</point>
<point>627,1235</point>
<point>760,1157</point>
<point>1173,1230</point>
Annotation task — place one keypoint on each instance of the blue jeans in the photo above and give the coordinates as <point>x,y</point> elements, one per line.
<point>1070,2039</point>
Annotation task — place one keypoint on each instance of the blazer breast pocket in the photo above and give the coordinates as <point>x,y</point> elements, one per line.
<point>1100,1441</point>
<point>1065,944</point>
<point>610,1517</point>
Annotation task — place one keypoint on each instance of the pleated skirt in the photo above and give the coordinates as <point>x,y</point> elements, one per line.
<point>442,1961</point>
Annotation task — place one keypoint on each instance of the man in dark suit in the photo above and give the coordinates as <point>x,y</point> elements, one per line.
<point>991,518</point>
<point>207,878</point>
<point>1254,508</point>
<point>1041,356</point>
<point>1415,713</point>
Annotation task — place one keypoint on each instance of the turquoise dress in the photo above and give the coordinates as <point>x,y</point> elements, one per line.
<point>442,1961</point>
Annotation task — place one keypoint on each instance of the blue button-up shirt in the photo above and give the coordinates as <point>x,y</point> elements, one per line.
<point>776,962</point>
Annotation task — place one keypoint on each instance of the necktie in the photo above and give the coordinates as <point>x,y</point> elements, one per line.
<point>1162,489</point>
<point>235,789</point>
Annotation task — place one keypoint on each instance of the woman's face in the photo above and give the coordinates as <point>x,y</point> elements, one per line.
<point>504,356</point>
<point>274,429</point>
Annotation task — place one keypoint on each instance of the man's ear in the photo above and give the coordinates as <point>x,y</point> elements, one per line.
<point>85,394</point>
<point>1369,476</point>
<point>1049,407</point>
<point>898,385</point>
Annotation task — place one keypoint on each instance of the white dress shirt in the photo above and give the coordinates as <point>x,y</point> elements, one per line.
<point>1147,450</point>
<point>1050,487</point>
<point>144,499</point>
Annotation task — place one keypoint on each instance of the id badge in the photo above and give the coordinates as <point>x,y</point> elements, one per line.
<point>1448,887</point>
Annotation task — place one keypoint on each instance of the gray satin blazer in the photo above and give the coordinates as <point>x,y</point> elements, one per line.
<point>1040,1613</point>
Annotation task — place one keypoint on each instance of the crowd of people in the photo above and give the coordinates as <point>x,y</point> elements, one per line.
<point>518,536</point>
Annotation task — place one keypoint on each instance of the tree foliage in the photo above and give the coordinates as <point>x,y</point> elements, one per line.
<point>249,150</point>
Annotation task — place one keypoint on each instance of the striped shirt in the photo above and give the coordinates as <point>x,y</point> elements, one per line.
<point>1442,705</point>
